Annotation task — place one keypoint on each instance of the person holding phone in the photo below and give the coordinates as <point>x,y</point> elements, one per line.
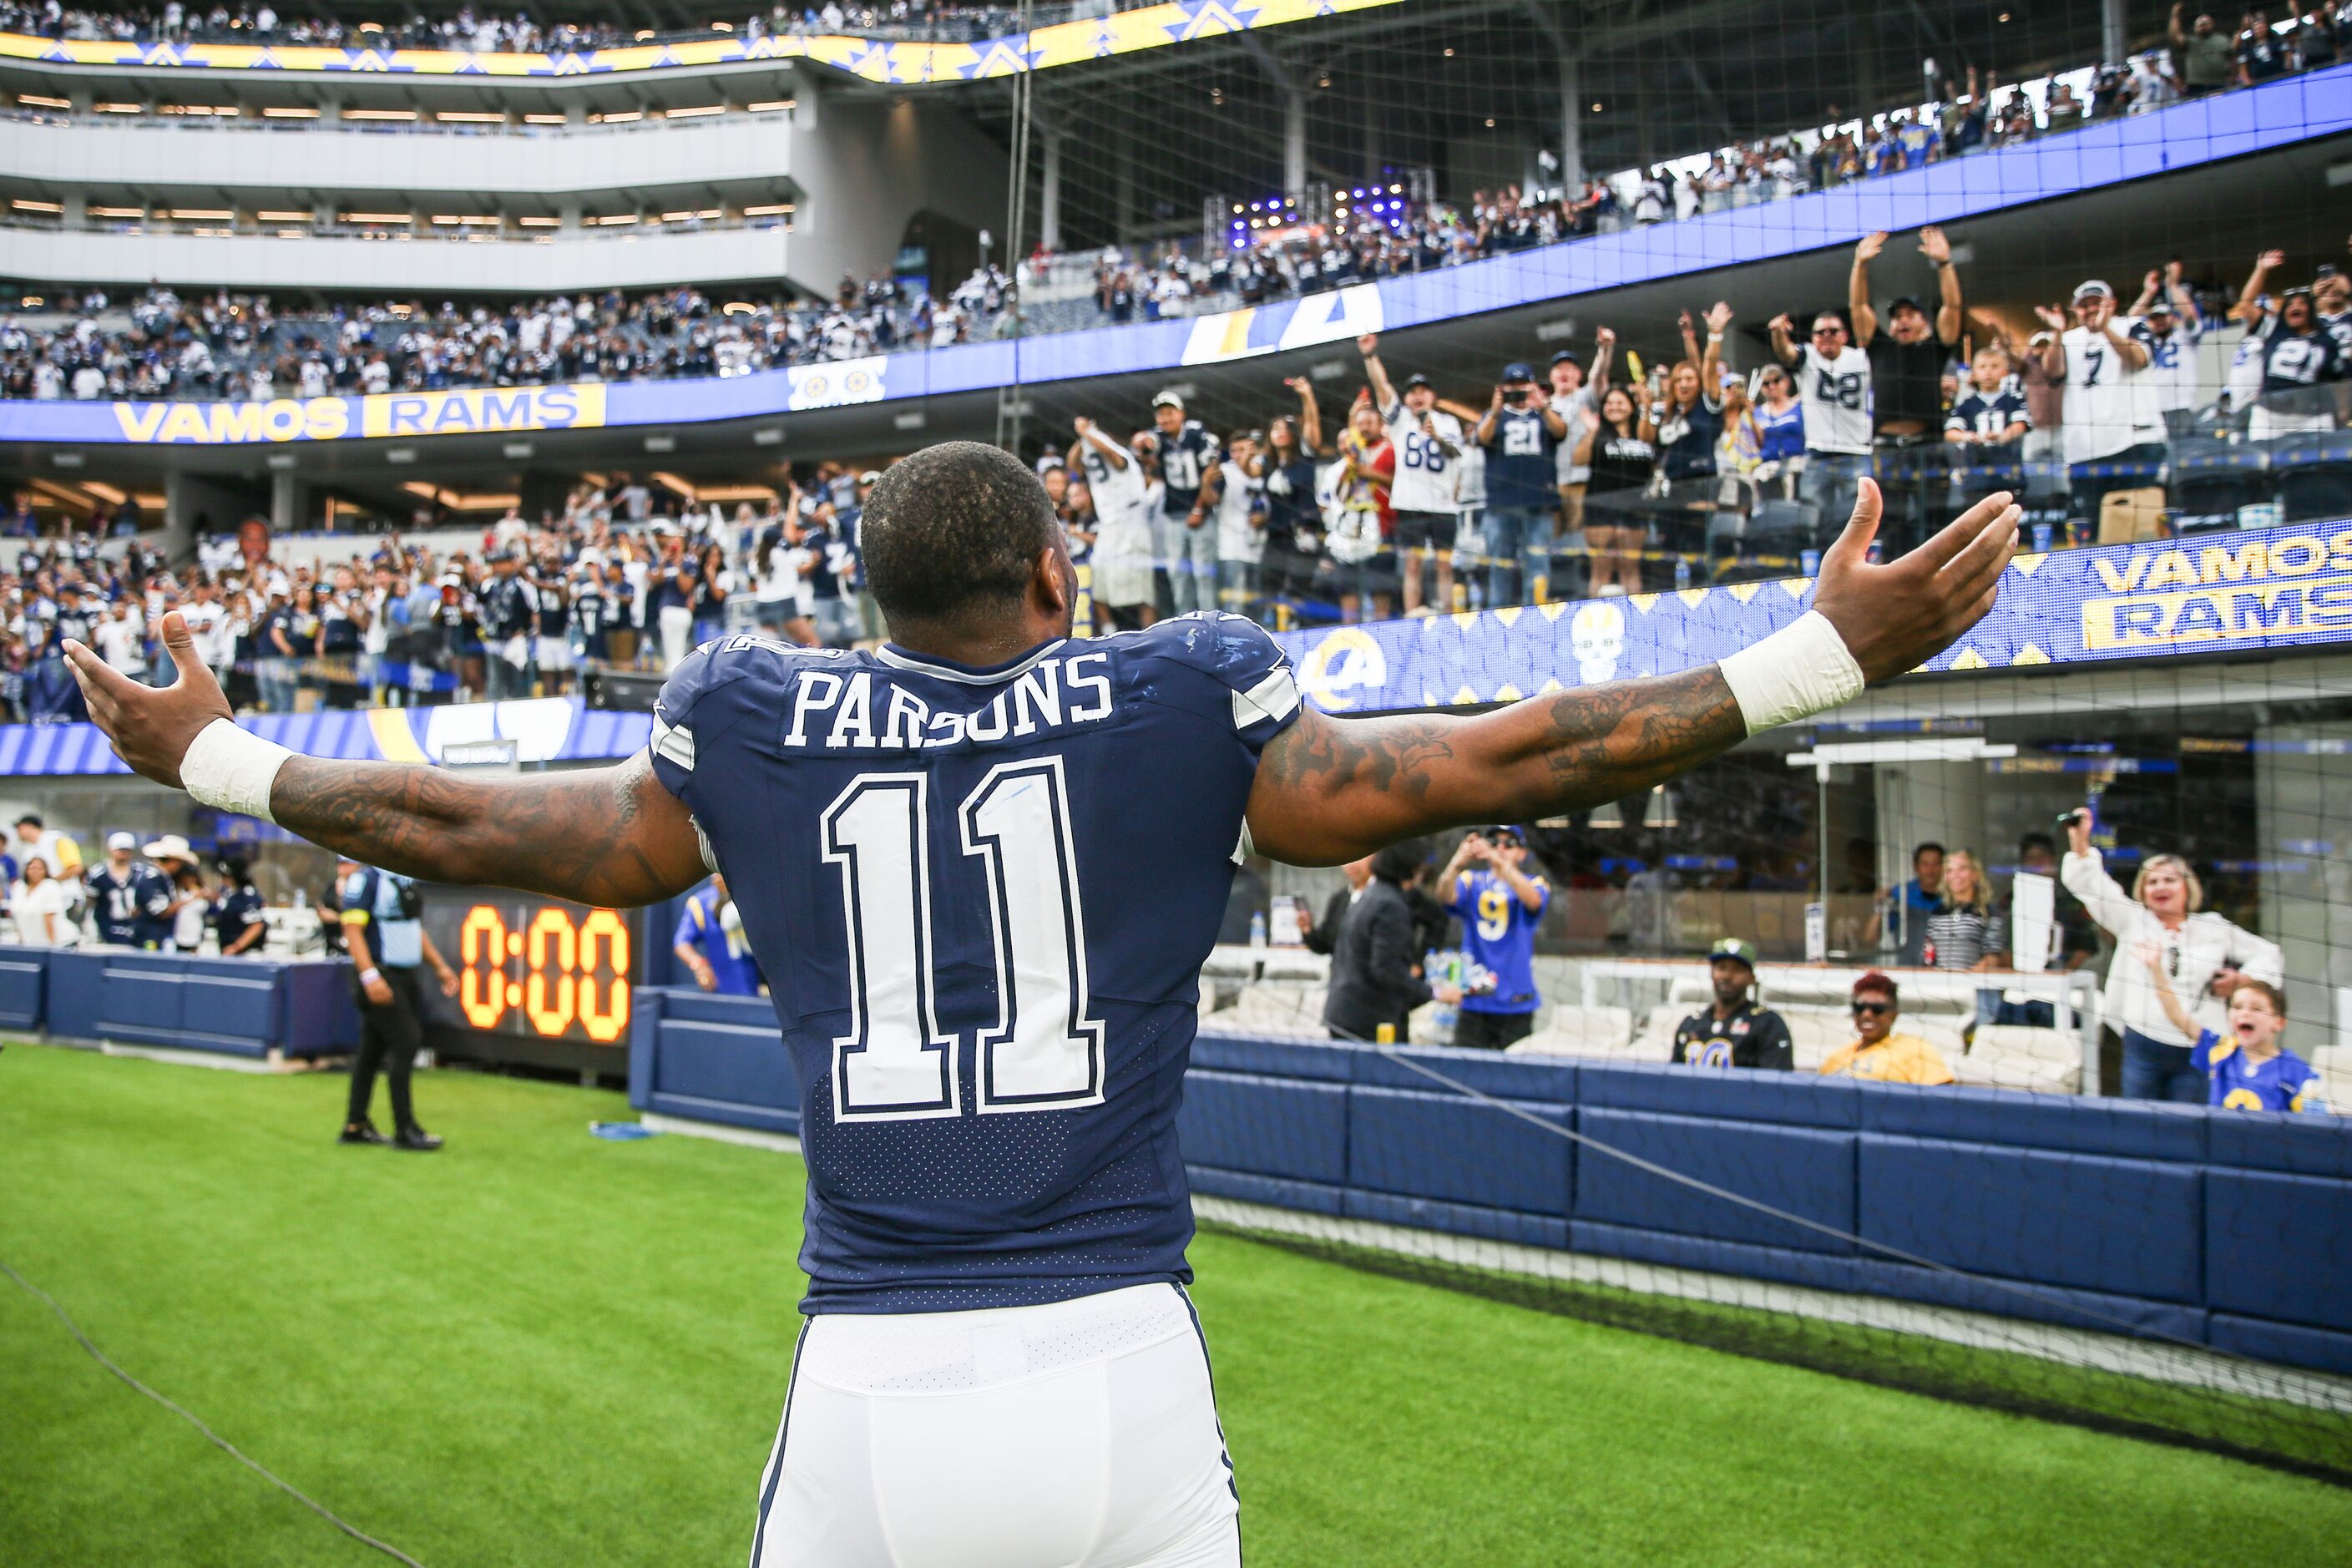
<point>2203,955</point>
<point>1520,433</point>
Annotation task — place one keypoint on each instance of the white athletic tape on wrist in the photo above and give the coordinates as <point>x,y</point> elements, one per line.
<point>233,770</point>
<point>1799,670</point>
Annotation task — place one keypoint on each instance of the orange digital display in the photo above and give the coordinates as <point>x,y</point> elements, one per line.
<point>543,969</point>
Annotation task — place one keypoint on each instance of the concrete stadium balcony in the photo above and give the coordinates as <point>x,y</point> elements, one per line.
<point>592,259</point>
<point>856,176</point>
<point>548,164</point>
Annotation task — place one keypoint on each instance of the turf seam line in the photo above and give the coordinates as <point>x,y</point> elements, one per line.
<point>214,1439</point>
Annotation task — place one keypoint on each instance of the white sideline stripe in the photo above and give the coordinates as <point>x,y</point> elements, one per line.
<point>218,1060</point>
<point>1954,1325</point>
<point>719,1131</point>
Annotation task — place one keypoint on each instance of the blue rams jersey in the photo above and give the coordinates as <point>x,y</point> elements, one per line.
<point>982,899</point>
<point>128,908</point>
<point>1499,935</point>
<point>701,925</point>
<point>2284,1082</point>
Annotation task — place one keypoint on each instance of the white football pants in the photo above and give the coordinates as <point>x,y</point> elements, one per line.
<point>1078,1433</point>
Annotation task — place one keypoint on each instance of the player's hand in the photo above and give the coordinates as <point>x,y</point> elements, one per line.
<point>1894,618</point>
<point>379,991</point>
<point>449,981</point>
<point>1868,247</point>
<point>1935,244</point>
<point>151,728</point>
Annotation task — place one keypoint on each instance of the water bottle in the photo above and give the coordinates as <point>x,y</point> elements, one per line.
<point>1257,927</point>
<point>1682,572</point>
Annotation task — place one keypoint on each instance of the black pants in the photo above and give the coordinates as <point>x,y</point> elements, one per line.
<point>389,1037</point>
<point>1491,1031</point>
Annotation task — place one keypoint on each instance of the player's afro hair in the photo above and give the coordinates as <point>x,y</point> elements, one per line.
<point>953,531</point>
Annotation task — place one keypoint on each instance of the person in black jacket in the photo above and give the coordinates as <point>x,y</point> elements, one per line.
<point>1323,936</point>
<point>1375,974</point>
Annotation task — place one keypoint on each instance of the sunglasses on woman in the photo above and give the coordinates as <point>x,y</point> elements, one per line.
<point>1874,1006</point>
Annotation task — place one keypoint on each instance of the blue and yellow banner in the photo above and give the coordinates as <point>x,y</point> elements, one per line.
<point>2232,593</point>
<point>479,411</point>
<point>1062,44</point>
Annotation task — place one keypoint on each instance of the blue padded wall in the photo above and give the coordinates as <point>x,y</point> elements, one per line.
<point>1799,1170</point>
<point>2127,1227</point>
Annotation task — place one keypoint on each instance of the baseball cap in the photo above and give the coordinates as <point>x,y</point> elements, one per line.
<point>1566,356</point>
<point>121,841</point>
<point>1732,948</point>
<point>1517,370</point>
<point>2094,289</point>
<point>1416,379</point>
<point>1504,830</point>
<point>2159,306</point>
<point>1169,400</point>
<point>1905,302</point>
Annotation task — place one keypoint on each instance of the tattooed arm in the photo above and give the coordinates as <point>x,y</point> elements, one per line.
<point>1330,789</point>
<point>603,836</point>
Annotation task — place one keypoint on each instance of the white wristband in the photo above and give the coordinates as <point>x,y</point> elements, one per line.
<point>228,768</point>
<point>369,976</point>
<point>1798,671</point>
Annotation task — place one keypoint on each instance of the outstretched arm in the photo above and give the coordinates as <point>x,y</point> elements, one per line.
<point>612,836</point>
<point>1330,790</point>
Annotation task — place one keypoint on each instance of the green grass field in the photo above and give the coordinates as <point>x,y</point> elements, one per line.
<point>537,1347</point>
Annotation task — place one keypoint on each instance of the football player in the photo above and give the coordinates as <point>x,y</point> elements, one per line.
<point>981,867</point>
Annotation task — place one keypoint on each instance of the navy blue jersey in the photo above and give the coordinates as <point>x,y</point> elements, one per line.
<point>982,899</point>
<point>1183,458</point>
<point>1522,463</point>
<point>1979,412</point>
<point>128,908</point>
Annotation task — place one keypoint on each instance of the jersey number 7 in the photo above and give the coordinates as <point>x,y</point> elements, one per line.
<point>1045,1051</point>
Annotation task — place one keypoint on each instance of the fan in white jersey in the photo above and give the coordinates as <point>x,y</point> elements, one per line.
<point>1240,524</point>
<point>1428,443</point>
<point>2114,435</point>
<point>1122,555</point>
<point>1834,384</point>
<point>2174,328</point>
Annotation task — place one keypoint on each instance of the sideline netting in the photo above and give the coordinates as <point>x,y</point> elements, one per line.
<point>2057,1249</point>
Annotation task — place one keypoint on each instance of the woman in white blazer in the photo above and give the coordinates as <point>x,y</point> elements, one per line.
<point>2204,956</point>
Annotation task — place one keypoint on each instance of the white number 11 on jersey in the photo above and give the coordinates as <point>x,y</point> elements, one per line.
<point>1046,1049</point>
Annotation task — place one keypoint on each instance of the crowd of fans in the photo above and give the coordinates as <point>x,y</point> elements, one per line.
<point>484,32</point>
<point>622,578</point>
<point>234,345</point>
<point>241,347</point>
<point>1567,482</point>
<point>1573,482</point>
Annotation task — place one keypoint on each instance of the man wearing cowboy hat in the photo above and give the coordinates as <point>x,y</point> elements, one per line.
<point>1734,1032</point>
<point>129,898</point>
<point>184,918</point>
